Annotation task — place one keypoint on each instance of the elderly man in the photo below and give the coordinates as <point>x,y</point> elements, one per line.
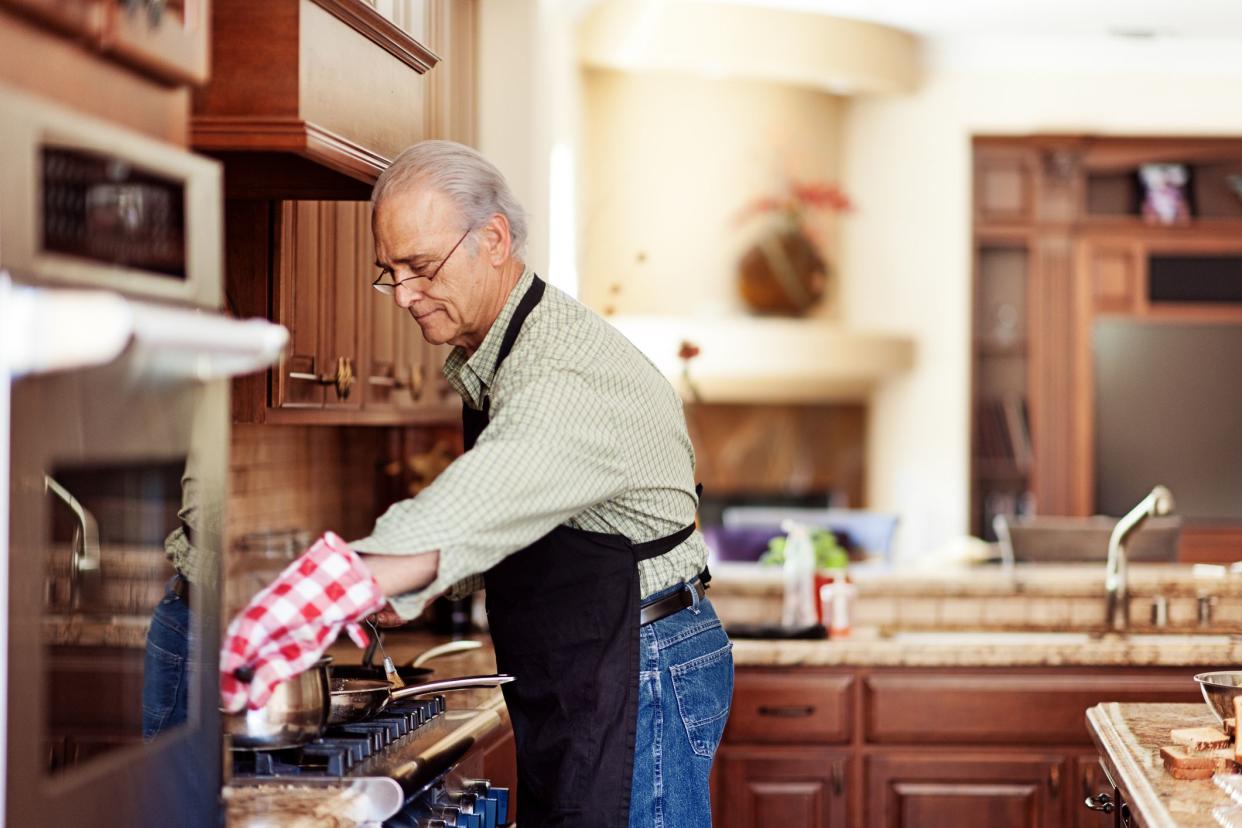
<point>574,502</point>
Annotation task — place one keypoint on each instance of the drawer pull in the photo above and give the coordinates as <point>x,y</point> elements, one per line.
<point>838,778</point>
<point>1100,802</point>
<point>788,712</point>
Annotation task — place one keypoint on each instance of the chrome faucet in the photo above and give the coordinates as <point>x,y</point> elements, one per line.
<point>84,566</point>
<point>1116,587</point>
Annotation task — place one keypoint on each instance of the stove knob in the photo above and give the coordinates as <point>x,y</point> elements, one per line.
<point>501,796</point>
<point>448,815</point>
<point>468,802</point>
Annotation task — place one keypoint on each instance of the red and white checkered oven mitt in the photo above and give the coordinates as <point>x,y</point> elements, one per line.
<point>288,625</point>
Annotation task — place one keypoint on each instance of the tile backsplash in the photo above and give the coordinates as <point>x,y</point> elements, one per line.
<point>314,478</point>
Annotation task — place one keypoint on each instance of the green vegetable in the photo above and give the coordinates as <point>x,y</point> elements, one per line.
<point>828,553</point>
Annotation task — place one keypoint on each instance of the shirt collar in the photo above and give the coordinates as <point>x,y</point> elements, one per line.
<point>472,377</point>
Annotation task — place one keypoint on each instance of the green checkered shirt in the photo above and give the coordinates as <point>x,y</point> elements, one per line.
<point>584,432</point>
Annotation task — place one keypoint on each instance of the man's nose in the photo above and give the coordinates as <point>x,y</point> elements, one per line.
<point>407,293</point>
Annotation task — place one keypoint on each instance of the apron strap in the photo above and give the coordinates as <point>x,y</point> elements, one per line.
<point>529,299</point>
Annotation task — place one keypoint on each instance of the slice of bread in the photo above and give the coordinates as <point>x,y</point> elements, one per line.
<point>1199,739</point>
<point>1185,764</point>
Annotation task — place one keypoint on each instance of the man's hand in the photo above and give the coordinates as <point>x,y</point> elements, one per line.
<point>288,625</point>
<point>387,617</point>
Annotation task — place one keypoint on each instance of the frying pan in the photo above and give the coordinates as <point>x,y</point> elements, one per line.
<point>411,673</point>
<point>358,699</point>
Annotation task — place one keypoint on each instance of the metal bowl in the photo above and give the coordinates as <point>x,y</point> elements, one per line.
<point>1219,691</point>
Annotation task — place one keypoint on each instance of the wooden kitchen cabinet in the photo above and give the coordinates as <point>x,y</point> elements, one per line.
<point>318,298</point>
<point>965,790</point>
<point>1088,779</point>
<point>402,372</point>
<point>1060,242</point>
<point>762,785</point>
<point>354,357</point>
<point>897,747</point>
<point>166,39</point>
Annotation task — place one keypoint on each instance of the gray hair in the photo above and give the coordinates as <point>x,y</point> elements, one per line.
<point>460,172</point>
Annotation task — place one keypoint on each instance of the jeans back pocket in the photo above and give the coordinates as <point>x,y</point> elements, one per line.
<point>704,690</point>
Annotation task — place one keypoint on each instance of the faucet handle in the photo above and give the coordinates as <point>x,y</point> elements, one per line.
<point>1159,611</point>
<point>1205,604</point>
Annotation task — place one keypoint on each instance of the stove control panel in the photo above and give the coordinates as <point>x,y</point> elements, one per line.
<point>478,804</point>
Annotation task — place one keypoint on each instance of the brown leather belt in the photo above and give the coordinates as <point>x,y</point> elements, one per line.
<point>670,604</point>
<point>181,588</point>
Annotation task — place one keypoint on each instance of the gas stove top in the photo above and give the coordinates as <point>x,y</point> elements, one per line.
<point>419,744</point>
<point>343,748</point>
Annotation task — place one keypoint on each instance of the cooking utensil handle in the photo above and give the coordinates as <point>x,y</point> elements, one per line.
<point>462,683</point>
<point>441,650</point>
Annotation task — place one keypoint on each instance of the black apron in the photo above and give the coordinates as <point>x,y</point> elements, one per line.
<point>563,614</point>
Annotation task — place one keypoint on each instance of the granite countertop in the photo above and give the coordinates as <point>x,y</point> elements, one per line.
<point>1061,580</point>
<point>869,648</point>
<point>1129,737</point>
<point>96,631</point>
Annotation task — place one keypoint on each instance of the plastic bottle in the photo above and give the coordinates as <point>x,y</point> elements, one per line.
<point>799,606</point>
<point>837,599</point>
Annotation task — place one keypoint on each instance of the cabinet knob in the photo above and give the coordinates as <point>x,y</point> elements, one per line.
<point>414,384</point>
<point>342,378</point>
<point>1100,802</point>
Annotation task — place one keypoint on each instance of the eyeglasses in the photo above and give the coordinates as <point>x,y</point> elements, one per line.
<point>390,288</point>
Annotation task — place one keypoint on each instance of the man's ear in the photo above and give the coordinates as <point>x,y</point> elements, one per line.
<point>497,242</point>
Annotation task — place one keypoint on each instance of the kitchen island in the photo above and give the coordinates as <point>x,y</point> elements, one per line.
<point>959,701</point>
<point>1129,738</point>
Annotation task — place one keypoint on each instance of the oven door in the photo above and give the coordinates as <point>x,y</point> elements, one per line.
<point>116,495</point>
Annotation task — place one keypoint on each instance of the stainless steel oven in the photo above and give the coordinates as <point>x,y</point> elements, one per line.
<point>88,202</point>
<point>114,416</point>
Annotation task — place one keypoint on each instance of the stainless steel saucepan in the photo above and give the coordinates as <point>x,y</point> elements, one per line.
<point>301,707</point>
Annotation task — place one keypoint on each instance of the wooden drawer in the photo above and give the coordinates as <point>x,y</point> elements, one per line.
<point>978,706</point>
<point>790,707</point>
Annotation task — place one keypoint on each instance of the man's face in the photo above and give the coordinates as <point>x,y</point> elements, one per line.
<point>415,229</point>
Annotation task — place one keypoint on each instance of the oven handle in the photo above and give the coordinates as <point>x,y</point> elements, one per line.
<point>51,329</point>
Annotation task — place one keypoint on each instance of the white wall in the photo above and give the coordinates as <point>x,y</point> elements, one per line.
<point>528,119</point>
<point>905,251</point>
<point>669,163</point>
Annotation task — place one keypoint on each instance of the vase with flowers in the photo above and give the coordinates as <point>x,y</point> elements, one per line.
<point>784,272</point>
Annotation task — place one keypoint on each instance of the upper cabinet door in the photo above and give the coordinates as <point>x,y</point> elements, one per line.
<point>341,309</point>
<point>300,266</point>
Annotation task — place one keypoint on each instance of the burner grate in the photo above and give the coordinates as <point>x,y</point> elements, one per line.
<point>342,747</point>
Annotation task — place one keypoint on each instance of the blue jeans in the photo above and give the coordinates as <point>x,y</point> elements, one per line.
<point>685,689</point>
<point>165,668</point>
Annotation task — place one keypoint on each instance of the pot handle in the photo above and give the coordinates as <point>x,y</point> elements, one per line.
<point>462,683</point>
